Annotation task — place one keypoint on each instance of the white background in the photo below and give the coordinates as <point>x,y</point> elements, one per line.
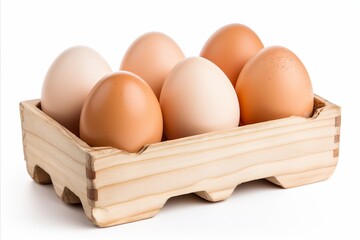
<point>324,34</point>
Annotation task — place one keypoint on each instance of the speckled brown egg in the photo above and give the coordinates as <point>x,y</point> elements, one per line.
<point>274,84</point>
<point>123,112</point>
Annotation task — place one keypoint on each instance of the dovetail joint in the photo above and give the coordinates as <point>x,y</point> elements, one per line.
<point>92,194</point>
<point>338,121</point>
<point>90,174</point>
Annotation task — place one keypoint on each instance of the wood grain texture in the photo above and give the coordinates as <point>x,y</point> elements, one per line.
<point>51,151</point>
<point>117,187</point>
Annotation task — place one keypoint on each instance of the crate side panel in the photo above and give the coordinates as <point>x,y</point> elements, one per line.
<point>52,149</point>
<point>221,146</point>
<point>298,150</point>
<point>38,123</point>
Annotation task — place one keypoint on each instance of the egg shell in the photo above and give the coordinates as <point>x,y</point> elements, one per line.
<point>231,47</point>
<point>274,84</point>
<point>123,112</point>
<point>152,56</point>
<point>68,81</point>
<point>196,98</point>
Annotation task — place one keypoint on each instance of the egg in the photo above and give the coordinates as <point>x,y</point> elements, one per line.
<point>123,112</point>
<point>196,98</point>
<point>152,56</point>
<point>68,82</point>
<point>231,47</point>
<point>274,84</point>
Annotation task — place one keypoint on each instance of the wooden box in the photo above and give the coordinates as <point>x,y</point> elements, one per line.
<point>116,187</point>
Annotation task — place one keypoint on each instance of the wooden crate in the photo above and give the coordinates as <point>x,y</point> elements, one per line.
<point>117,187</point>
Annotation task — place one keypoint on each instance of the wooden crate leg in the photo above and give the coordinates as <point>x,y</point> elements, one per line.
<point>69,197</point>
<point>216,196</point>
<point>302,178</point>
<point>59,189</point>
<point>126,212</point>
<point>38,174</point>
<point>65,193</point>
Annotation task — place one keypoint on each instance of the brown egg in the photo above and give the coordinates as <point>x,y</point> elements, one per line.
<point>152,56</point>
<point>274,84</point>
<point>231,47</point>
<point>123,112</point>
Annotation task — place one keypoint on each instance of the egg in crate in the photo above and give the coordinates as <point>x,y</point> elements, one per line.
<point>231,47</point>
<point>152,56</point>
<point>196,98</point>
<point>67,83</point>
<point>123,112</point>
<point>274,84</point>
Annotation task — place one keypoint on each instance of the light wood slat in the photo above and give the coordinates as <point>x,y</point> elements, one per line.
<point>64,161</point>
<point>222,138</point>
<point>278,149</point>
<point>37,122</point>
<point>182,178</point>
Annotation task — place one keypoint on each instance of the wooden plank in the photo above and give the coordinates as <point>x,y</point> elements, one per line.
<point>201,143</point>
<point>38,123</point>
<point>167,160</point>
